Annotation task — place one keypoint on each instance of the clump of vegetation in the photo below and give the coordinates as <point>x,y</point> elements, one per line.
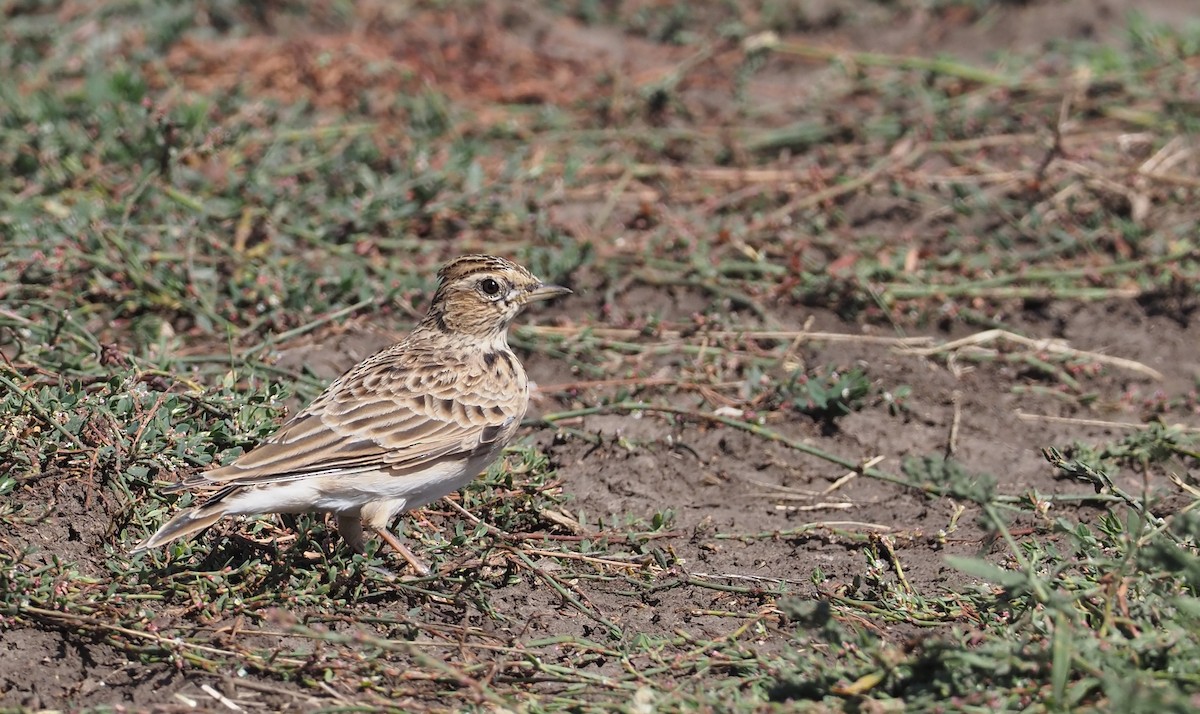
<point>825,394</point>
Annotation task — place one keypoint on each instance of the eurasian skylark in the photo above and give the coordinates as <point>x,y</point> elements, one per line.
<point>401,429</point>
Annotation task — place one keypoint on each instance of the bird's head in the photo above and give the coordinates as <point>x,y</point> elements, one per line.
<point>479,295</point>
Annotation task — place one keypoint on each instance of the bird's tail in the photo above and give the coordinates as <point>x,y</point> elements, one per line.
<point>186,523</point>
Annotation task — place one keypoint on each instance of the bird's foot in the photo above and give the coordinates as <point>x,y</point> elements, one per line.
<point>418,566</point>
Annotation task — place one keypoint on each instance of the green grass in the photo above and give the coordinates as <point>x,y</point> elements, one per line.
<point>161,237</point>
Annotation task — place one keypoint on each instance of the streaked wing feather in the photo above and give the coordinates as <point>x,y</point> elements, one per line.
<point>402,435</point>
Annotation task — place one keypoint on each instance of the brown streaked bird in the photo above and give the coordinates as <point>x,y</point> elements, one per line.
<point>401,429</point>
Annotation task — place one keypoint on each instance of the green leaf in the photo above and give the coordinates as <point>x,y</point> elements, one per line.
<point>1060,664</point>
<point>984,570</point>
<point>1189,606</point>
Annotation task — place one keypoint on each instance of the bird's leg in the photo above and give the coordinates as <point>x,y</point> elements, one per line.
<point>388,537</point>
<point>351,530</point>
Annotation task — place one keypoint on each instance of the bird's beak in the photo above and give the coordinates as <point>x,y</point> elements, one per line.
<point>546,292</point>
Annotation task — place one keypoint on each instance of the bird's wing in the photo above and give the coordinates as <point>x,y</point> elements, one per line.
<point>381,415</point>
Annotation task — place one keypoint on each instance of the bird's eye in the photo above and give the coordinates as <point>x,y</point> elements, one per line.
<point>490,287</point>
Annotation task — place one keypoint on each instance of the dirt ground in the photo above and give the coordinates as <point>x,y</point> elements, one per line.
<point>716,479</point>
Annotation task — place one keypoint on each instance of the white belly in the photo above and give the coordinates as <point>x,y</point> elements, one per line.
<point>345,493</point>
